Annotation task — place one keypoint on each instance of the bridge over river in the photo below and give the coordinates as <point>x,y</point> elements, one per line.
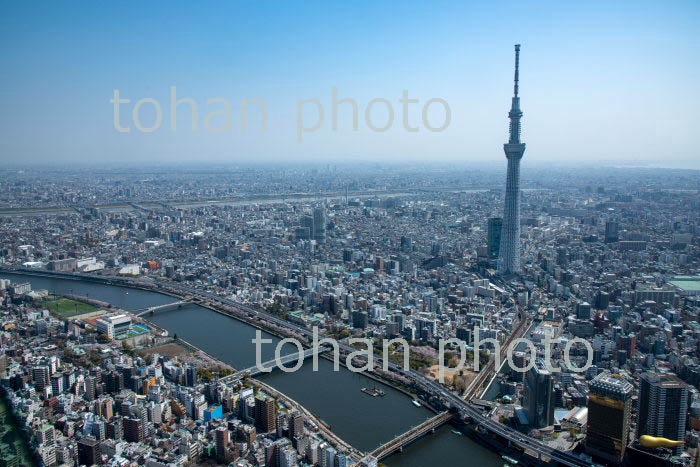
<point>271,365</point>
<point>415,433</point>
<point>468,412</point>
<point>153,309</point>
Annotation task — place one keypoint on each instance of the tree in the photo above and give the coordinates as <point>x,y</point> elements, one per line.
<point>95,358</point>
<point>224,371</point>
<point>69,355</point>
<point>204,374</point>
<point>127,348</point>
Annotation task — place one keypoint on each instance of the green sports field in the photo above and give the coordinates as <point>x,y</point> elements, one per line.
<point>66,308</point>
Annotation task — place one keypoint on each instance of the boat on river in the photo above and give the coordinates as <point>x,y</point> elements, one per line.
<point>374,392</point>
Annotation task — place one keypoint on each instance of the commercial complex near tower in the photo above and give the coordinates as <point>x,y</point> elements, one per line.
<point>609,409</point>
<point>509,262</point>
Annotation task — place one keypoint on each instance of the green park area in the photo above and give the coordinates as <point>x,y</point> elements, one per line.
<point>66,307</point>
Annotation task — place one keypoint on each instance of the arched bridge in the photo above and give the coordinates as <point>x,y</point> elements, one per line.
<point>153,309</point>
<point>271,365</point>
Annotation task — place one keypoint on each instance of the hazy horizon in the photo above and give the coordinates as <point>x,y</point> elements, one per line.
<point>349,162</point>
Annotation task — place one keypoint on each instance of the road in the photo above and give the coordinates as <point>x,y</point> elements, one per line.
<point>468,412</point>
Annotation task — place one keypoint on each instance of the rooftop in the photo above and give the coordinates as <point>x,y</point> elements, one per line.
<point>686,283</point>
<point>611,385</point>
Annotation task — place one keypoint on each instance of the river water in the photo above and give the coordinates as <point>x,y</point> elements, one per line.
<point>335,397</point>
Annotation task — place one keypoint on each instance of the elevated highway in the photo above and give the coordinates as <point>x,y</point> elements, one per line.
<point>467,412</point>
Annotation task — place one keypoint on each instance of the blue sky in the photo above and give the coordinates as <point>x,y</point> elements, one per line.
<point>601,81</point>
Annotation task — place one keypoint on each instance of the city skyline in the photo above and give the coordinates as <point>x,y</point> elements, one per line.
<point>283,234</point>
<point>133,304</point>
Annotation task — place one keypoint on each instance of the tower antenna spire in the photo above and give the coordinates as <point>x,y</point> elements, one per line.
<point>517,68</point>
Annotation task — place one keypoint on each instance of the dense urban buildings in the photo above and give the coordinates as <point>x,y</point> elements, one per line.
<point>105,382</point>
<point>277,234</point>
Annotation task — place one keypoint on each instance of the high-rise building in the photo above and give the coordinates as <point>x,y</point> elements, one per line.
<point>285,456</point>
<point>134,430</point>
<point>520,360</point>
<point>360,319</point>
<point>222,439</point>
<point>115,429</point>
<point>47,455</point>
<point>602,300</point>
<point>114,382</point>
<point>41,376</point>
<point>88,451</point>
<point>609,407</point>
<point>493,238</point>
<point>584,311</point>
<point>90,383</point>
<point>510,236</point>
<point>265,414</point>
<point>539,396</point>
<point>57,384</point>
<point>663,407</point>
<point>307,226</point>
<point>296,425</point>
<point>329,455</point>
<point>611,232</point>
<point>46,435</point>
<point>190,375</point>
<point>319,231</point>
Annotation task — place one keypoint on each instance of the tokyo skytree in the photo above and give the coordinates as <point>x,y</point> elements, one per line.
<point>509,261</point>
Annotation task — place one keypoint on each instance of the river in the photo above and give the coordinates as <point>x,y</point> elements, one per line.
<point>335,397</point>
